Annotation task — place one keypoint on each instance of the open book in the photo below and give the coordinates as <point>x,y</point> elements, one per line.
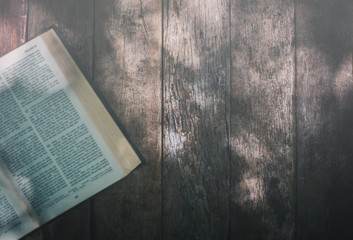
<point>58,144</point>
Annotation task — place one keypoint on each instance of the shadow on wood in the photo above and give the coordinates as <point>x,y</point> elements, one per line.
<point>331,30</point>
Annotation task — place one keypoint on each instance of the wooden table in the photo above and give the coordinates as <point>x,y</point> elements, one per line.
<point>242,109</point>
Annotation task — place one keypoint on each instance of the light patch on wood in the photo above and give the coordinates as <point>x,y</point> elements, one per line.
<point>175,142</point>
<point>188,43</point>
<point>125,32</point>
<point>250,148</point>
<point>254,187</point>
<point>129,72</point>
<point>258,156</point>
<point>343,79</point>
<point>187,49</point>
<point>255,153</point>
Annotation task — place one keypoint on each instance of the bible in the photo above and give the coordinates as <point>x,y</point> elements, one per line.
<point>58,143</point>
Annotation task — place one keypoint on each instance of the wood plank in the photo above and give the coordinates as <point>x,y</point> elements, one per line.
<point>196,84</point>
<point>13,24</point>
<point>262,120</point>
<point>325,116</point>
<point>74,20</point>
<point>127,71</point>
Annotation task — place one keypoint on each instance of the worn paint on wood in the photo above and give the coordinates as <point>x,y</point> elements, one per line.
<point>262,120</point>
<point>196,85</point>
<point>13,24</point>
<point>127,72</point>
<point>325,118</point>
<point>74,20</point>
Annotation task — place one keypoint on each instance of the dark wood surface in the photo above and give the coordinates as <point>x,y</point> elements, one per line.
<point>242,110</point>
<point>325,116</point>
<point>262,120</point>
<point>127,70</point>
<point>195,81</point>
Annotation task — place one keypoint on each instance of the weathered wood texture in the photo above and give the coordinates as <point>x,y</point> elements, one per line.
<point>262,120</point>
<point>127,70</point>
<point>13,23</point>
<point>74,20</point>
<point>249,102</point>
<point>325,118</point>
<point>196,86</point>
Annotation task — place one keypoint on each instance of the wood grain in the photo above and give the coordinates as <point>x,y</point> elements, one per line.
<point>196,84</point>
<point>235,111</point>
<point>13,24</point>
<point>325,116</point>
<point>262,120</point>
<point>74,20</point>
<point>127,71</point>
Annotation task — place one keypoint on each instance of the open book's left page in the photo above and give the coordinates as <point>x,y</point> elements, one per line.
<point>58,144</point>
<point>15,220</point>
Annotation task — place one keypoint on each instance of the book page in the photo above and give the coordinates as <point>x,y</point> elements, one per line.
<point>14,219</point>
<point>61,145</point>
